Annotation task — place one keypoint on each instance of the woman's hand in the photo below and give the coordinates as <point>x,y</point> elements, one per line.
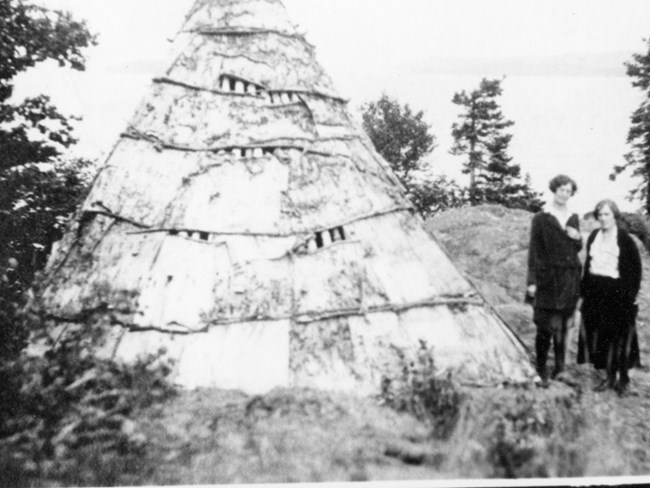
<point>530,291</point>
<point>573,233</point>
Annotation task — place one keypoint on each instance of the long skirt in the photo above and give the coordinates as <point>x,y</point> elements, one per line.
<point>608,335</point>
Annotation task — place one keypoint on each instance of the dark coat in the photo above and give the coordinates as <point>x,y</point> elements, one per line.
<point>629,267</point>
<point>609,312</point>
<point>553,263</point>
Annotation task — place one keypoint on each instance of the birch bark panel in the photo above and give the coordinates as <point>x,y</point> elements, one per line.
<point>254,288</point>
<point>329,116</point>
<point>468,341</point>
<point>269,60</point>
<point>103,268</point>
<point>177,292</point>
<point>248,356</point>
<point>329,279</point>
<point>138,182</point>
<point>322,356</point>
<point>197,120</point>
<point>326,191</point>
<point>233,195</point>
<point>406,263</point>
<point>252,14</point>
<point>376,338</point>
<point>359,155</point>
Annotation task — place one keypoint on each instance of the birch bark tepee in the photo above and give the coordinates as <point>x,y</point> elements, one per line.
<point>246,225</point>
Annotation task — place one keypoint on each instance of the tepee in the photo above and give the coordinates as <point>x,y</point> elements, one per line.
<point>244,223</point>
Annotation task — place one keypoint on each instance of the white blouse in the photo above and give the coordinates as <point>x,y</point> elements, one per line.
<point>604,253</point>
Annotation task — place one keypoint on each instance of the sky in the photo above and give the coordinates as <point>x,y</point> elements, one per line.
<point>571,116</point>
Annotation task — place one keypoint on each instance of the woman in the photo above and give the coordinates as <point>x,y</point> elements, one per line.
<point>609,288</point>
<point>554,274</point>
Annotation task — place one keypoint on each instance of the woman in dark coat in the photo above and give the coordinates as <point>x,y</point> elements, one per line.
<point>554,274</point>
<point>609,288</point>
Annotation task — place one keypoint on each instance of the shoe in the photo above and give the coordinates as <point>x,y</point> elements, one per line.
<point>623,389</point>
<point>544,383</point>
<point>603,385</point>
<point>565,378</point>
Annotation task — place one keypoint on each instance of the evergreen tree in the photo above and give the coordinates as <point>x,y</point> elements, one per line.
<point>481,136</point>
<point>638,137</point>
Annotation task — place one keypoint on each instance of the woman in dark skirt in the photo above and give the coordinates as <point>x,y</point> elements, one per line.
<point>609,288</point>
<point>554,274</point>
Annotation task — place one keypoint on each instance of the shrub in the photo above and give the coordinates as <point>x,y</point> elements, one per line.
<point>64,414</point>
<point>533,438</point>
<point>36,202</point>
<point>637,224</point>
<point>420,391</point>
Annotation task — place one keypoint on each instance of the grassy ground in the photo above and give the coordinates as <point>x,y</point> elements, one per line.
<point>216,436</point>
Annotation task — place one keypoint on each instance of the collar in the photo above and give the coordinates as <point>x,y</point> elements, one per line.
<point>554,220</point>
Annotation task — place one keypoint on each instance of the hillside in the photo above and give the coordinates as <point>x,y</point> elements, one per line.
<point>422,428</point>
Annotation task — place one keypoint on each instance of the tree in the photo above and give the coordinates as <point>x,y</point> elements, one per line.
<point>481,136</point>
<point>638,137</point>
<point>31,34</point>
<point>38,188</point>
<point>403,139</point>
<point>398,134</point>
<point>435,193</point>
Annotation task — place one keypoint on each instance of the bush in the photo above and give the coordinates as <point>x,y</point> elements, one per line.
<point>637,224</point>
<point>421,392</point>
<point>36,202</point>
<point>533,438</point>
<point>64,414</point>
<point>434,194</point>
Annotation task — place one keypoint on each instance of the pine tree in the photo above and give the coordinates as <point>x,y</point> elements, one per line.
<point>481,136</point>
<point>638,137</point>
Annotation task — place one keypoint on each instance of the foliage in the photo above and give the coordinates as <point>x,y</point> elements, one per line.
<point>480,135</point>
<point>435,193</point>
<point>35,131</point>
<point>399,135</point>
<point>32,34</point>
<point>403,139</point>
<point>64,413</point>
<point>533,438</point>
<point>638,225</point>
<point>36,200</point>
<point>420,391</point>
<point>38,192</point>
<point>638,137</point>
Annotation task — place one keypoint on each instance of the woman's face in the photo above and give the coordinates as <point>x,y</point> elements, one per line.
<point>563,193</point>
<point>606,217</point>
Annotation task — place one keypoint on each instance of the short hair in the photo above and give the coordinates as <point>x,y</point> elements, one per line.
<point>612,206</point>
<point>561,180</point>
